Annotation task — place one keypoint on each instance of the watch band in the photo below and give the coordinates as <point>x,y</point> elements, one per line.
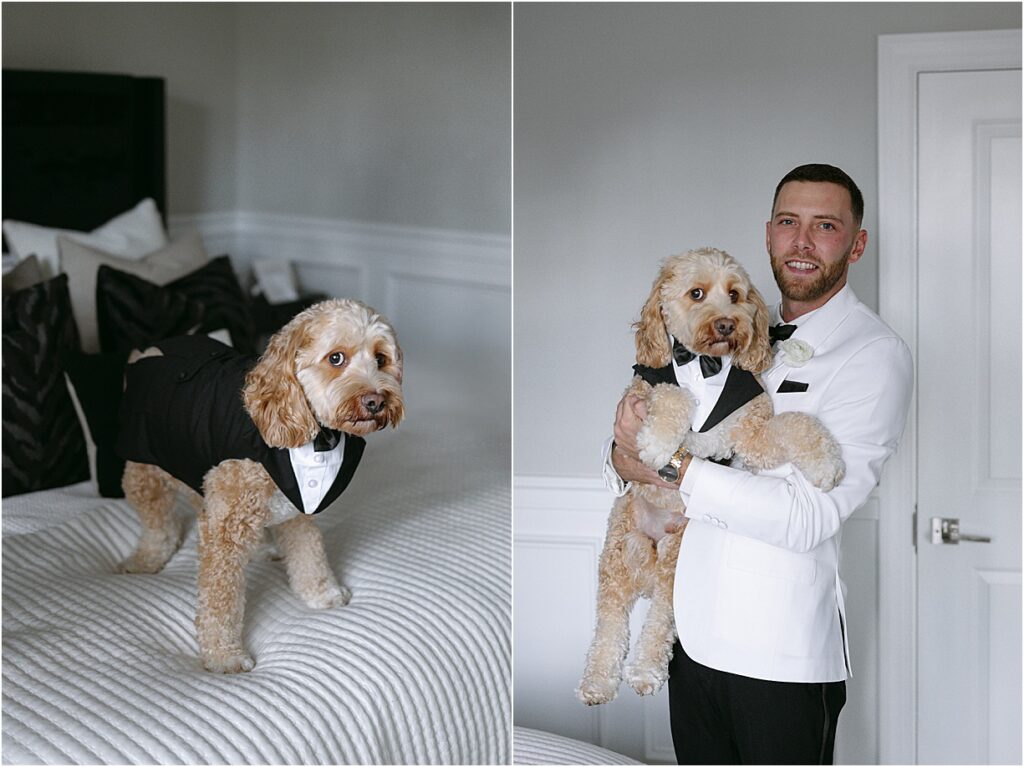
<point>670,471</point>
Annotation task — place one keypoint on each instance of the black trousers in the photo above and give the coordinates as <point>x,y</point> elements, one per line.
<point>722,718</point>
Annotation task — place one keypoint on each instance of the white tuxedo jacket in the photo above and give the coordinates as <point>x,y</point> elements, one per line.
<point>757,588</point>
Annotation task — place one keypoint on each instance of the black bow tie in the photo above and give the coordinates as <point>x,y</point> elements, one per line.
<point>780,332</point>
<point>709,366</point>
<point>326,440</point>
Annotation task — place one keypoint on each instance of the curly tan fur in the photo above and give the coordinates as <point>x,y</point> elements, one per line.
<point>695,298</point>
<point>336,364</point>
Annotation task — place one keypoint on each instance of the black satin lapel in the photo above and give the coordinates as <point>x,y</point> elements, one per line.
<point>353,454</point>
<point>655,376</point>
<point>740,387</point>
<point>280,469</point>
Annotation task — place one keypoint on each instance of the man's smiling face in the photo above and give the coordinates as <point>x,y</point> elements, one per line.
<point>812,239</point>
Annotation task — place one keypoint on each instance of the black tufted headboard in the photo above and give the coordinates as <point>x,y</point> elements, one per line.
<point>80,148</point>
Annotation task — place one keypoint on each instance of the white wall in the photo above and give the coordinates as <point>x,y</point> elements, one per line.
<point>191,45</point>
<point>643,130</point>
<point>393,113</point>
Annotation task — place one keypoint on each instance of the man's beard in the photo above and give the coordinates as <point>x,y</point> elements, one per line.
<point>809,290</point>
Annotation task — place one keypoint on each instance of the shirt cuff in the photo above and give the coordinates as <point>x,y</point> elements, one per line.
<point>612,480</point>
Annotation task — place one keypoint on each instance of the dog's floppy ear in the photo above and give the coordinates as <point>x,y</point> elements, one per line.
<point>757,356</point>
<point>273,395</point>
<point>652,348</point>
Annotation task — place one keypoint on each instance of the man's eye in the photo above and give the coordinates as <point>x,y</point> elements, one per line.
<point>828,226</point>
<point>697,294</point>
<point>337,359</point>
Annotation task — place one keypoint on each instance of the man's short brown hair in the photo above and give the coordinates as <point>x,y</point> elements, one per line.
<point>831,174</point>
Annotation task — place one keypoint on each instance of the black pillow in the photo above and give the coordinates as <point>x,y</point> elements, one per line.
<point>216,287</point>
<point>43,445</point>
<point>133,313</point>
<point>98,380</point>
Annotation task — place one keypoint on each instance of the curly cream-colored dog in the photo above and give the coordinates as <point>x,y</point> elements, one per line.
<point>254,444</point>
<point>704,301</point>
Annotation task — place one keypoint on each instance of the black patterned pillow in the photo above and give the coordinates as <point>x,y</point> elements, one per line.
<point>43,445</point>
<point>216,287</point>
<point>133,313</point>
<point>96,380</point>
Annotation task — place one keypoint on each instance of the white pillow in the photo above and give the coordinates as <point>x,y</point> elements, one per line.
<point>81,262</point>
<point>130,235</point>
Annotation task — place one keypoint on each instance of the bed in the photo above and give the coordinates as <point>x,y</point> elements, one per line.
<point>540,747</point>
<point>102,668</point>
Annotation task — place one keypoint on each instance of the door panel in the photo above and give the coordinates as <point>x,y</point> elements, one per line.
<point>969,385</point>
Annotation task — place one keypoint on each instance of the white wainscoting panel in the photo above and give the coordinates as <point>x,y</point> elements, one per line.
<point>559,527</point>
<point>447,293</point>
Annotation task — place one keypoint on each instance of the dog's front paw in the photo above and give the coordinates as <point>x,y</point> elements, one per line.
<point>645,681</point>
<point>826,475</point>
<point>333,596</point>
<point>669,415</point>
<point>228,662</point>
<point>594,692</point>
<point>654,451</point>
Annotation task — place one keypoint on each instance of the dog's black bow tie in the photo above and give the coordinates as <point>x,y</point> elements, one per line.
<point>780,332</point>
<point>326,440</point>
<point>709,366</point>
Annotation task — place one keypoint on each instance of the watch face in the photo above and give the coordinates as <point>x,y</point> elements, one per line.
<point>669,473</point>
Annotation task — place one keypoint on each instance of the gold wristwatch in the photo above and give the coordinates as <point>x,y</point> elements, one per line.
<point>670,471</point>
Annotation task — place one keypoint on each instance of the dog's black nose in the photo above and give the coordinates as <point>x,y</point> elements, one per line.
<point>724,326</point>
<point>373,402</point>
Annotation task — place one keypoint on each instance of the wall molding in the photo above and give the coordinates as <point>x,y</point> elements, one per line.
<point>464,257</point>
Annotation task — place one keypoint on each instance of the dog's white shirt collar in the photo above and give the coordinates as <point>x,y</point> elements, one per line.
<point>705,390</point>
<point>315,472</point>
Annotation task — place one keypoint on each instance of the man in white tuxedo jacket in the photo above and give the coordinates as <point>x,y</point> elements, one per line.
<point>758,672</point>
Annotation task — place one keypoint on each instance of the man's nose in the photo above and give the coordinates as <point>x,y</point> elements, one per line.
<point>804,240</point>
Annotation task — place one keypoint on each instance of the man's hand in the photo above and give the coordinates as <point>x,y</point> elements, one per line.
<point>629,417</point>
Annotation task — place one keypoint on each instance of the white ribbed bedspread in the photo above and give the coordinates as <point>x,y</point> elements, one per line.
<point>539,747</point>
<point>102,668</point>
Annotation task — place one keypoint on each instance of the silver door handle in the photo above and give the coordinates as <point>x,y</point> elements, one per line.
<point>946,530</point>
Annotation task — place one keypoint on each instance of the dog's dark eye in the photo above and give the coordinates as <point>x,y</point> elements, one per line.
<point>381,360</point>
<point>337,359</point>
<point>734,296</point>
<point>697,294</point>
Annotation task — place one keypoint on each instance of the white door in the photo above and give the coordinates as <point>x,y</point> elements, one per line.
<point>969,416</point>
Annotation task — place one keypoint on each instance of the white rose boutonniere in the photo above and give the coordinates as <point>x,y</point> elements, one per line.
<point>795,352</point>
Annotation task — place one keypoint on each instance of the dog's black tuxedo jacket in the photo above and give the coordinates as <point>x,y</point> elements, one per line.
<point>183,412</point>
<point>740,387</point>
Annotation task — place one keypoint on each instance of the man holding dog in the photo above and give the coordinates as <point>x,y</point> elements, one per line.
<point>758,672</point>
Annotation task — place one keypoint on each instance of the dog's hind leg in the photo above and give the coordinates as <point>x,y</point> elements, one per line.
<point>152,492</point>
<point>230,529</point>
<point>617,592</point>
<point>309,572</point>
<point>649,669</point>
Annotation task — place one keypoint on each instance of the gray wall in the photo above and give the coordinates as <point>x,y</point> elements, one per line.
<point>646,130</point>
<point>380,112</point>
<point>193,46</point>
<point>397,113</point>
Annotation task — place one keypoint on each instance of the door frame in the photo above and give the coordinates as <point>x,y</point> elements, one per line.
<point>901,60</point>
